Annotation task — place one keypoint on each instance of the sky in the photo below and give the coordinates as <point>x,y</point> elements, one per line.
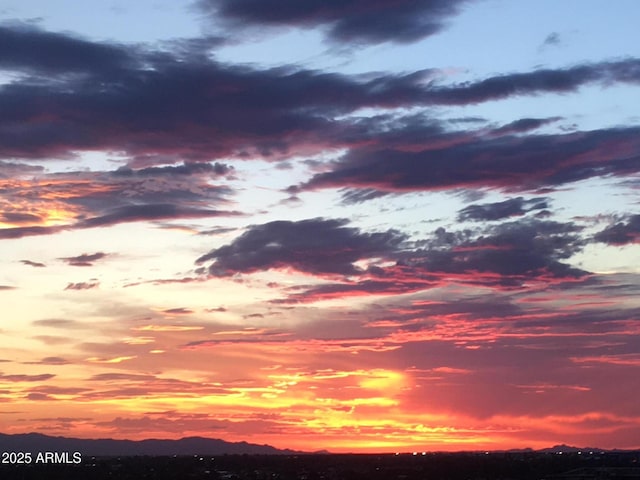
<point>352,225</point>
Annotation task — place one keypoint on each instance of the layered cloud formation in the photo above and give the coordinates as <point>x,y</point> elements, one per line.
<point>434,256</point>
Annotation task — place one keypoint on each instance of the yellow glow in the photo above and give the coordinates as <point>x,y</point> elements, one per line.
<point>138,340</point>
<point>110,360</point>
<point>383,380</point>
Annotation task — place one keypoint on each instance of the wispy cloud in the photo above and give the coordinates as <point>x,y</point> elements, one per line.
<point>84,260</point>
<point>83,285</point>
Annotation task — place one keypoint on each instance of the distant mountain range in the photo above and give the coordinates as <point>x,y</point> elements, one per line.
<point>35,442</point>
<point>569,449</point>
<point>566,449</point>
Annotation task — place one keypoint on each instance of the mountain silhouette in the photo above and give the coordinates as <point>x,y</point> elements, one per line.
<point>36,442</point>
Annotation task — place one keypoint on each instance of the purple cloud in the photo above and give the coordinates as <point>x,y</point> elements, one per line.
<point>621,233</point>
<point>320,246</point>
<point>84,260</point>
<point>353,21</point>
<point>32,264</point>
<point>511,163</point>
<point>82,285</point>
<point>513,207</point>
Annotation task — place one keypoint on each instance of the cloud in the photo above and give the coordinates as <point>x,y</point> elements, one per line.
<point>32,264</point>
<point>515,251</point>
<point>67,201</point>
<point>134,213</point>
<point>57,323</point>
<point>26,378</point>
<point>507,163</point>
<point>370,285</point>
<point>621,233</point>
<point>50,361</point>
<point>82,285</point>
<point>359,195</point>
<point>193,109</point>
<point>107,377</point>
<point>317,246</point>
<point>178,311</point>
<point>524,125</point>
<point>189,103</point>
<point>137,213</point>
<point>6,287</point>
<point>351,21</point>
<point>19,232</point>
<point>187,168</point>
<point>537,81</point>
<point>511,256</point>
<point>551,40</point>
<point>36,396</point>
<point>513,207</point>
<point>216,309</point>
<point>26,48</point>
<point>19,218</point>
<point>84,260</point>
<point>217,231</point>
<point>11,169</point>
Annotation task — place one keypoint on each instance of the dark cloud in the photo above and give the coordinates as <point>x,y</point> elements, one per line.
<point>107,377</point>
<point>137,213</point>
<point>178,311</point>
<point>6,287</point>
<point>88,199</point>
<point>187,168</point>
<point>359,195</point>
<point>317,246</point>
<point>621,233</point>
<point>19,218</point>
<point>510,163</point>
<point>513,207</point>
<point>508,256</point>
<point>55,390</point>
<point>353,21</point>
<point>553,39</point>
<point>32,264</point>
<point>524,125</point>
<point>84,260</point>
<point>37,396</point>
<point>50,361</point>
<point>82,285</point>
<point>26,48</point>
<point>26,378</point>
<point>538,81</point>
<point>19,232</point>
<point>11,169</point>
<point>217,309</point>
<point>515,251</point>
<point>217,231</point>
<point>195,109</point>
<point>125,214</point>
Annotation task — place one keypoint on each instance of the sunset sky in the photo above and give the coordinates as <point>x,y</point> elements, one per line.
<point>353,225</point>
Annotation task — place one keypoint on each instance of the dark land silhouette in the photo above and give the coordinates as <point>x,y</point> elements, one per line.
<point>432,466</point>
<point>201,458</point>
<point>35,442</point>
